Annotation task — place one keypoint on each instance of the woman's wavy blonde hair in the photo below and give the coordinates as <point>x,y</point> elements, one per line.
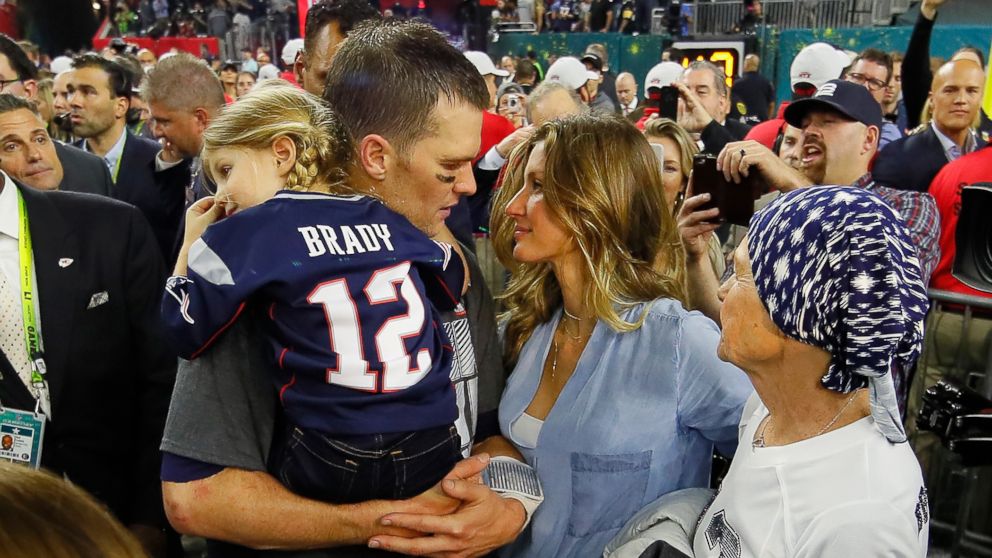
<point>275,109</point>
<point>603,185</point>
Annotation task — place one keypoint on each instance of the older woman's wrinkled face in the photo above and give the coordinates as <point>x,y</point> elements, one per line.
<point>748,335</point>
<point>538,236</point>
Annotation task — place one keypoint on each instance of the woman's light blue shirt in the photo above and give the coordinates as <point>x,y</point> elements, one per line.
<point>638,419</point>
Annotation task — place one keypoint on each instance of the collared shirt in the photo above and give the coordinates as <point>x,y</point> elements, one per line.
<point>112,156</point>
<point>629,108</point>
<point>10,258</point>
<point>9,232</point>
<point>951,149</point>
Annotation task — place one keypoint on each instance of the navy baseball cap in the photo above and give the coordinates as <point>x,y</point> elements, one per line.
<point>850,99</point>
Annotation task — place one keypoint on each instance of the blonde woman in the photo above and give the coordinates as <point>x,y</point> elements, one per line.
<point>617,396</point>
<point>679,151</point>
<point>349,292</point>
<point>43,515</point>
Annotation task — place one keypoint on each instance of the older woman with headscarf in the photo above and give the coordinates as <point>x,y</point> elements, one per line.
<point>826,297</point>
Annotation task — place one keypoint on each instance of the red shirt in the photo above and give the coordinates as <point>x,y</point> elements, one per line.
<point>946,191</point>
<point>494,129</point>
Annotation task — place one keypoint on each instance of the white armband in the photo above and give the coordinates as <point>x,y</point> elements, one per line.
<point>511,478</point>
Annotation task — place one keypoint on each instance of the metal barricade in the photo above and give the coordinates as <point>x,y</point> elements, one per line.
<point>714,17</point>
<point>958,346</point>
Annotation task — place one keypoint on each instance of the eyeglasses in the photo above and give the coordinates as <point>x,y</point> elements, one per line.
<point>872,83</point>
<point>5,82</point>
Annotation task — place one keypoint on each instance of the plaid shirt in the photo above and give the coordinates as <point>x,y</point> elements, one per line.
<point>919,211</point>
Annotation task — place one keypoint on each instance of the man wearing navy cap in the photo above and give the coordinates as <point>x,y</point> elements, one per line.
<point>840,131</point>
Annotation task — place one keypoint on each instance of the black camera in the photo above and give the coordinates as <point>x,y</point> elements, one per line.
<point>961,418</point>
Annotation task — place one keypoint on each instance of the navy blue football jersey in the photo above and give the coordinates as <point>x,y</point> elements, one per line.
<point>351,292</point>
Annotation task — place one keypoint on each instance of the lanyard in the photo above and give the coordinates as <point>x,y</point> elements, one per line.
<point>32,334</point>
<point>117,165</point>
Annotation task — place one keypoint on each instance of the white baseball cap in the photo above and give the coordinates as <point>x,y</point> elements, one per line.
<point>290,50</point>
<point>60,64</point>
<point>661,75</point>
<point>570,72</point>
<point>268,71</point>
<point>817,64</point>
<point>484,64</point>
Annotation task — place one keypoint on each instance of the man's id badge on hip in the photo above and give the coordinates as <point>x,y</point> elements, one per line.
<point>21,434</point>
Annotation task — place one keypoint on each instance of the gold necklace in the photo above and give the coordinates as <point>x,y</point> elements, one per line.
<point>578,325</point>
<point>759,442</point>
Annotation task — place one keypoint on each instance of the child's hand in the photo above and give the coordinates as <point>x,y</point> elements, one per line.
<point>198,217</point>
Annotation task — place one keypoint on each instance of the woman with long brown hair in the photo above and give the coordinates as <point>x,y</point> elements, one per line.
<point>617,396</point>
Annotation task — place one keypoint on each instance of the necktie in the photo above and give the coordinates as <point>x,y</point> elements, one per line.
<point>12,341</point>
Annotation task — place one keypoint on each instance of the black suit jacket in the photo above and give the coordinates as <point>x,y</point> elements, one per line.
<point>83,172</point>
<point>161,196</point>
<point>912,162</point>
<point>110,374</point>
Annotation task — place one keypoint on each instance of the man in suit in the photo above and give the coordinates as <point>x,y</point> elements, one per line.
<point>99,98</point>
<point>106,378</point>
<point>705,104</point>
<point>33,158</point>
<point>911,163</point>
<point>183,96</point>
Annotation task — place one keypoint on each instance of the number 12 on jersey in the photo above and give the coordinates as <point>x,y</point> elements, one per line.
<point>344,325</point>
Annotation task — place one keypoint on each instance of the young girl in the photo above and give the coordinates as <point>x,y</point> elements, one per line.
<point>348,292</point>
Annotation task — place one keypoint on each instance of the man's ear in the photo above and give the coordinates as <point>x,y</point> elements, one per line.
<point>298,66</point>
<point>31,88</point>
<point>202,116</point>
<point>375,156</point>
<point>120,107</point>
<point>284,150</point>
<point>872,135</point>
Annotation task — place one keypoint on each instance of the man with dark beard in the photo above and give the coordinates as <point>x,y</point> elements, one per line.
<point>840,131</point>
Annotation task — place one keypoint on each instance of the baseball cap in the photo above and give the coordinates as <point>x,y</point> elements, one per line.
<point>270,71</point>
<point>661,75</point>
<point>60,64</point>
<point>817,64</point>
<point>569,72</point>
<point>230,65</point>
<point>290,50</point>
<point>850,99</point>
<point>594,59</point>
<point>484,64</point>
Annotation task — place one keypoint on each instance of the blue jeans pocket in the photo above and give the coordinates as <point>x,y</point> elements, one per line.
<point>607,490</point>
<point>424,459</point>
<point>313,468</point>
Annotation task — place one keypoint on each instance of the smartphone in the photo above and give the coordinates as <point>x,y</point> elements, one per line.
<point>735,201</point>
<point>669,105</point>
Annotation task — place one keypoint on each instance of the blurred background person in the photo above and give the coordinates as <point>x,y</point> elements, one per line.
<point>246,80</point>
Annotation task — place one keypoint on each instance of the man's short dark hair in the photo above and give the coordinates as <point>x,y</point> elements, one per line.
<point>879,57</point>
<point>19,61</point>
<point>525,69</point>
<point>10,103</point>
<point>347,13</point>
<point>388,77</point>
<point>131,63</point>
<point>118,77</point>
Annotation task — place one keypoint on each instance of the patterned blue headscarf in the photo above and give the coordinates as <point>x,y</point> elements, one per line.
<point>837,269</point>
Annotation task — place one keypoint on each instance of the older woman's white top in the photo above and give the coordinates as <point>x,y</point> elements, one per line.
<point>849,492</point>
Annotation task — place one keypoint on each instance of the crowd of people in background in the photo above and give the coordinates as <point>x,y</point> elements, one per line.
<point>388,265</point>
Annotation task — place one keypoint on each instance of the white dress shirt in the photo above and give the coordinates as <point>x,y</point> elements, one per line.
<point>112,156</point>
<point>951,149</point>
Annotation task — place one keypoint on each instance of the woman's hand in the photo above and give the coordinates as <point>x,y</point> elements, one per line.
<point>693,225</point>
<point>199,216</point>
